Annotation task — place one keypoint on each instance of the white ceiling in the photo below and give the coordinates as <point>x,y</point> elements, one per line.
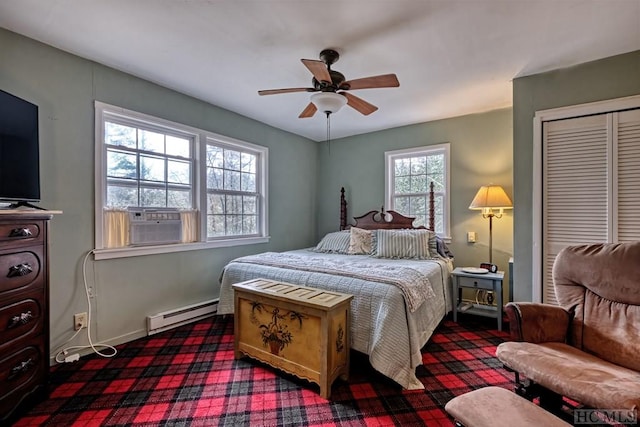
<point>452,57</point>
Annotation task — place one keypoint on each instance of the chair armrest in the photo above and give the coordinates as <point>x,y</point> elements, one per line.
<point>537,323</point>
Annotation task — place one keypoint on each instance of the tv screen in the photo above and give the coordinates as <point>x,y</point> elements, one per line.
<point>19,150</point>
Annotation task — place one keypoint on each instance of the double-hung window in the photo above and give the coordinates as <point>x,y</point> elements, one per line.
<point>233,196</point>
<point>408,174</point>
<point>198,188</point>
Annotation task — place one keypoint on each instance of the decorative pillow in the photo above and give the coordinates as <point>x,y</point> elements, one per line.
<point>360,241</point>
<point>443,249</point>
<point>335,242</point>
<point>433,244</point>
<point>402,244</point>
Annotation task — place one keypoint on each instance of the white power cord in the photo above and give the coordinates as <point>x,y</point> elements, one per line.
<point>75,356</point>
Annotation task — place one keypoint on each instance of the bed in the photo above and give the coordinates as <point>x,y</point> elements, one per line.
<point>397,303</point>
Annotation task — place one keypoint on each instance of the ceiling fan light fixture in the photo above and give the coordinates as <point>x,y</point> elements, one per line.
<point>328,102</point>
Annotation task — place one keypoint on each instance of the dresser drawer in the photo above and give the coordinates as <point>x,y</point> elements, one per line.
<point>21,270</point>
<point>21,233</point>
<point>22,372</point>
<point>21,319</point>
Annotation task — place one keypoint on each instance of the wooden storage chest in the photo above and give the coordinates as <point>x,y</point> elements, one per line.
<point>300,330</point>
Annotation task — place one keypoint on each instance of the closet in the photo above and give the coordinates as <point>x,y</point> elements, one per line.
<point>589,173</point>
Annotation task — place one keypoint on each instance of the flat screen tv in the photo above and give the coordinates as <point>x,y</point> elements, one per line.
<point>19,151</point>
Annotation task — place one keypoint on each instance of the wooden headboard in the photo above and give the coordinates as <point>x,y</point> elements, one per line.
<point>373,220</point>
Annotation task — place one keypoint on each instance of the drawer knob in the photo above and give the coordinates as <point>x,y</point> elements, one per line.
<point>20,368</point>
<point>20,232</point>
<point>20,319</point>
<point>19,270</point>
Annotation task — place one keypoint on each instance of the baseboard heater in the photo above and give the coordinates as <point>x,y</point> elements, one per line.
<point>180,316</point>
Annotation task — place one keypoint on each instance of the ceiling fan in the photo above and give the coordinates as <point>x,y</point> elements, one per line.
<point>328,81</point>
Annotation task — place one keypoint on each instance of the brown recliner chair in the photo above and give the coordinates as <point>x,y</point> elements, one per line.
<point>588,348</point>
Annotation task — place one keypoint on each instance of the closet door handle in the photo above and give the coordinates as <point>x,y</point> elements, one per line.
<point>19,270</point>
<point>20,319</point>
<point>20,232</point>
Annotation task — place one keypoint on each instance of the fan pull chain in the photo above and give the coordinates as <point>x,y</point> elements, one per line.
<point>329,131</point>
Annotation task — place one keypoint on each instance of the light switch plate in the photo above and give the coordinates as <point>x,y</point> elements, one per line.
<point>471,236</point>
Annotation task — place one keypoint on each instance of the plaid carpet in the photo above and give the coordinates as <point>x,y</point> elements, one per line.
<point>188,377</point>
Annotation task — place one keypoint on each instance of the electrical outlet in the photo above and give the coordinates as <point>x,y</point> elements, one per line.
<point>79,321</point>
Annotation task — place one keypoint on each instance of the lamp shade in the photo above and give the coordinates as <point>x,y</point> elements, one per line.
<point>328,102</point>
<point>491,196</point>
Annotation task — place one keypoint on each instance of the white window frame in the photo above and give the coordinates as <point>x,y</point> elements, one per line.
<point>200,137</point>
<point>392,156</point>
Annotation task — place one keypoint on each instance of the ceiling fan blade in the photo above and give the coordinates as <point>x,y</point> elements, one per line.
<point>289,90</point>
<point>384,80</point>
<point>309,111</point>
<point>318,69</point>
<point>359,104</point>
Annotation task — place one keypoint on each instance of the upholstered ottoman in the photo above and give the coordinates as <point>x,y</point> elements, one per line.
<point>498,407</point>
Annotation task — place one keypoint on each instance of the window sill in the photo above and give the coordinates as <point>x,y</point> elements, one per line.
<point>131,251</point>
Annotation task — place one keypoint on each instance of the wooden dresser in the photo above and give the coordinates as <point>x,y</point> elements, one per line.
<point>24,310</point>
<point>301,330</point>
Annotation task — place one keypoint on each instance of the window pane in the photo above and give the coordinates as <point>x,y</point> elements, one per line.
<point>231,180</point>
<point>234,205</point>
<point>401,204</point>
<point>214,157</point>
<point>231,160</point>
<point>214,178</point>
<point>120,196</point>
<point>179,199</point>
<point>179,172</point>
<point>438,181</point>
<point>121,165</point>
<point>215,225</point>
<point>248,182</point>
<point>151,169</point>
<point>153,197</point>
<point>178,146</point>
<point>418,205</point>
<point>234,224</point>
<point>403,185</point>
<point>216,203</point>
<point>116,134</point>
<point>151,141</point>
<point>436,164</point>
<point>249,205</point>
<point>419,165</point>
<point>248,163</point>
<point>249,224</point>
<point>418,184</point>
<point>402,167</point>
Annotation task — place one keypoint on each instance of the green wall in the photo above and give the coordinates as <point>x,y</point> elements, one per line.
<point>609,78</point>
<point>64,87</point>
<point>480,151</point>
<point>128,289</point>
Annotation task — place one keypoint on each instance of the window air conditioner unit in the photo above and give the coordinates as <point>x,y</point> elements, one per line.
<point>154,226</point>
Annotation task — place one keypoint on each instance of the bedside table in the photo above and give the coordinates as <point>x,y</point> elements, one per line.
<point>489,282</point>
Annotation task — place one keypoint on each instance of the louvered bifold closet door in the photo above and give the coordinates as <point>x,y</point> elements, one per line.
<point>575,188</point>
<point>628,175</point>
